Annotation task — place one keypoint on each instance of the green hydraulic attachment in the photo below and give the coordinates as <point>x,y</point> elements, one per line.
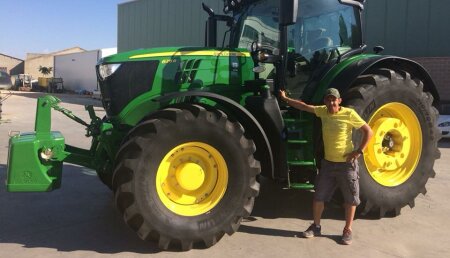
<point>300,150</point>
<point>35,158</point>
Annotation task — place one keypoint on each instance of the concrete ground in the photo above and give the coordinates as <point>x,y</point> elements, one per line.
<point>80,220</point>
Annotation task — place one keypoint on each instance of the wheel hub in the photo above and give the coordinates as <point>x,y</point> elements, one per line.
<point>388,142</point>
<point>192,178</point>
<point>391,143</point>
<point>394,150</point>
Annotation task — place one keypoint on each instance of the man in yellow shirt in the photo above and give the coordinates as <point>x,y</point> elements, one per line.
<point>339,167</point>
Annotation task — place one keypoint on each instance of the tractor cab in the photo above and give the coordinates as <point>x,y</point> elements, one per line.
<point>324,32</point>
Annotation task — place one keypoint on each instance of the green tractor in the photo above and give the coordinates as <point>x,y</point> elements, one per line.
<point>189,130</point>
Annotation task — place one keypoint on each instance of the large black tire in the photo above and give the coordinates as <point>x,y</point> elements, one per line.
<point>140,170</point>
<point>105,174</point>
<point>399,159</point>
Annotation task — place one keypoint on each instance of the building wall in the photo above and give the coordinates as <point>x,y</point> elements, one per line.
<point>78,69</point>
<point>439,69</point>
<point>34,60</point>
<point>32,65</point>
<point>410,28</point>
<point>157,23</point>
<point>104,52</point>
<point>417,29</point>
<point>11,65</point>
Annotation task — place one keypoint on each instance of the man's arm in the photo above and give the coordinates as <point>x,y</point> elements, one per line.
<point>298,104</point>
<point>367,134</point>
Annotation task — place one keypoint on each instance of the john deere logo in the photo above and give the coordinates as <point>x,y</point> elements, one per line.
<point>27,177</point>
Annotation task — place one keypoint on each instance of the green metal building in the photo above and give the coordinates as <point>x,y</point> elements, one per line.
<point>411,28</point>
<point>157,23</point>
<point>416,29</point>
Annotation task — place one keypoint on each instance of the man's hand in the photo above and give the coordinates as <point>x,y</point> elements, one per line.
<point>352,156</point>
<point>283,95</point>
<point>298,104</point>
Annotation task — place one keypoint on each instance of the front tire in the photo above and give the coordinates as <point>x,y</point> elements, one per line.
<point>399,158</point>
<point>186,176</point>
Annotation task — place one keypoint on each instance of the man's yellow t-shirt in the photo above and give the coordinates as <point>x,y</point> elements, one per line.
<point>337,131</point>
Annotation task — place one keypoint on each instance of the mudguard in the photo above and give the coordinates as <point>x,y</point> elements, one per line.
<point>346,78</point>
<point>249,122</point>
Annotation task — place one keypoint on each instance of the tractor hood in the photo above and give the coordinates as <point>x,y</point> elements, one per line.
<point>130,79</point>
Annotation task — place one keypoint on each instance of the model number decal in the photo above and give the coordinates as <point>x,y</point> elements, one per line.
<point>168,61</point>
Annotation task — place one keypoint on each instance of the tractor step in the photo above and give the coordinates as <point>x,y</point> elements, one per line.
<point>296,121</point>
<point>301,186</point>
<point>298,141</point>
<point>301,163</point>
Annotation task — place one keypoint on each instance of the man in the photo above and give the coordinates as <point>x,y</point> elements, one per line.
<point>339,167</point>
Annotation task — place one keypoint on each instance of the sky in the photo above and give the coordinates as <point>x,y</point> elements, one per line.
<point>45,26</point>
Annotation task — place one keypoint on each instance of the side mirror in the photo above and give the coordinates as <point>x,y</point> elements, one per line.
<point>208,9</point>
<point>288,12</point>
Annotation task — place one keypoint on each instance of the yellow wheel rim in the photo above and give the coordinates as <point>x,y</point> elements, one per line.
<point>394,151</point>
<point>192,178</point>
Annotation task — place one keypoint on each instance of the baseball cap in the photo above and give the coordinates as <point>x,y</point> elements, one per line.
<point>333,92</point>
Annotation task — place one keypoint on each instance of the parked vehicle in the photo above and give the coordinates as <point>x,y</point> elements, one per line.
<point>444,125</point>
<point>188,130</point>
<point>23,82</point>
<point>5,81</point>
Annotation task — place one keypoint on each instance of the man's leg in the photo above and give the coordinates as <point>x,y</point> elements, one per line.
<point>347,232</point>
<point>349,185</point>
<point>349,215</point>
<point>318,207</point>
<point>315,228</point>
<point>325,185</point>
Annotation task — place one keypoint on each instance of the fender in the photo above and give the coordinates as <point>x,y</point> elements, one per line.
<point>344,80</point>
<point>247,120</point>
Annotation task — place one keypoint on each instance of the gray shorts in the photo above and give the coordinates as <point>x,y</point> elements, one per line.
<point>344,175</point>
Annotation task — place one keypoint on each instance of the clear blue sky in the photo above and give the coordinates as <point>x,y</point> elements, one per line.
<point>44,26</point>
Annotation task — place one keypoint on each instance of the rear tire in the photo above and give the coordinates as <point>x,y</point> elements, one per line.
<point>399,159</point>
<point>186,177</point>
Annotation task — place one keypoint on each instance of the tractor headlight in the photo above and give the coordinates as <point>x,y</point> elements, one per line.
<point>106,70</point>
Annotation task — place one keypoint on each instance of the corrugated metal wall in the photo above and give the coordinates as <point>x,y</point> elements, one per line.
<point>156,23</point>
<point>411,28</point>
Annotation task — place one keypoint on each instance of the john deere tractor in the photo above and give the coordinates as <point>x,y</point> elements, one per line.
<point>189,130</point>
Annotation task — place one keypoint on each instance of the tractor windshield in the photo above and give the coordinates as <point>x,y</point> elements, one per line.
<point>324,30</point>
<point>257,22</point>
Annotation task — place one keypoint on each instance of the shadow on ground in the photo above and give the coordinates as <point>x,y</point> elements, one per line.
<point>274,201</point>
<point>79,216</point>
